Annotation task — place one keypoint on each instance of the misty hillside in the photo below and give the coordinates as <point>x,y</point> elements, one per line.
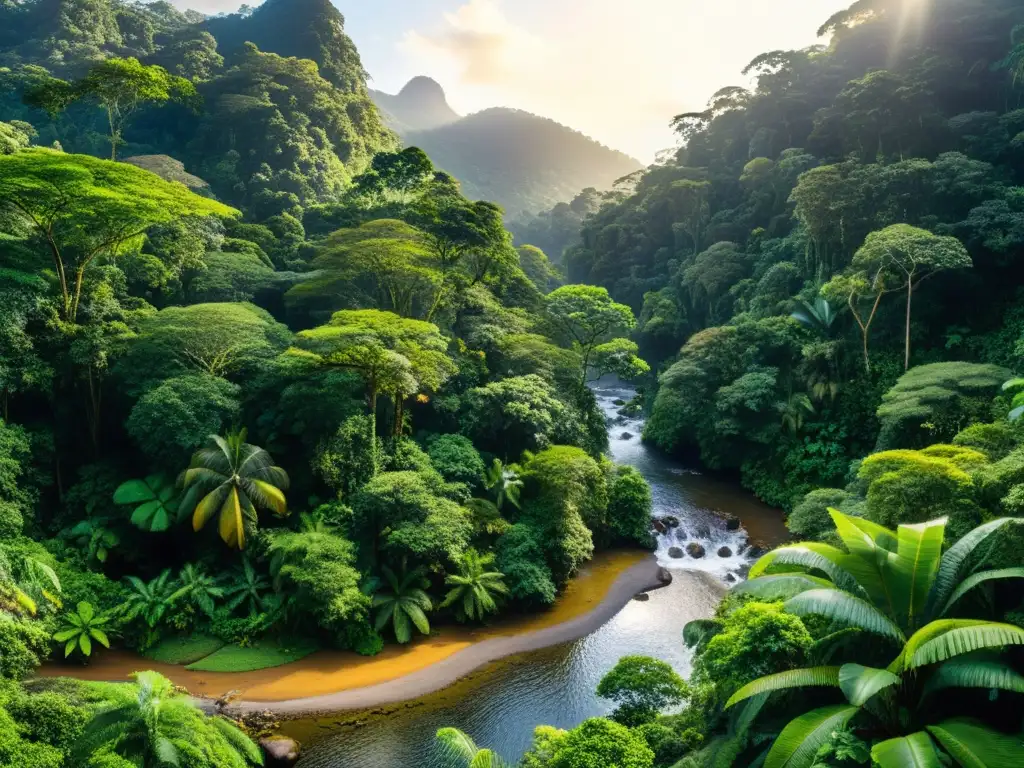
<point>524,162</point>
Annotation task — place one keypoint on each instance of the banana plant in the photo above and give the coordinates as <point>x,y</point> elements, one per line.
<point>899,591</point>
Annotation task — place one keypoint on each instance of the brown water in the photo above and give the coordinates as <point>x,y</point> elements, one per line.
<point>501,705</point>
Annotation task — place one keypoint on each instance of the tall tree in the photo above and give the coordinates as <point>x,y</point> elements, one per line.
<point>904,256</point>
<point>120,86</point>
<point>82,208</point>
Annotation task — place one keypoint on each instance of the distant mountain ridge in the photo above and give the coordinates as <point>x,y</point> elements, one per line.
<point>523,162</point>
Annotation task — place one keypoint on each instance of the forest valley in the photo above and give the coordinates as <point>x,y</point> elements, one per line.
<point>270,382</point>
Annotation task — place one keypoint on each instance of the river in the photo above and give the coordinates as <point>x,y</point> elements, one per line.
<point>500,706</point>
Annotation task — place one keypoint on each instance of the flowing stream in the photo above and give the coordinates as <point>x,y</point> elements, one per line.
<point>501,705</point>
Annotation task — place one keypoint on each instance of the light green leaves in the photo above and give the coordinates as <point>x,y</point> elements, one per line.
<point>973,745</point>
<point>845,608</point>
<point>793,678</point>
<point>913,751</point>
<point>799,741</point>
<point>860,683</point>
<point>81,628</point>
<point>155,500</point>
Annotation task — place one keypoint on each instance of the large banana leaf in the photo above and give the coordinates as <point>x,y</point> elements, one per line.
<point>800,740</point>
<point>979,578</point>
<point>811,554</point>
<point>913,751</point>
<point>957,637</point>
<point>952,564</point>
<point>860,683</point>
<point>973,745</point>
<point>793,678</point>
<point>845,608</point>
<point>969,672</point>
<point>780,586</point>
<point>914,567</point>
<point>868,561</point>
<point>883,537</point>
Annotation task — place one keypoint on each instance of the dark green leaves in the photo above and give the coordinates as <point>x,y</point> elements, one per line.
<point>154,502</point>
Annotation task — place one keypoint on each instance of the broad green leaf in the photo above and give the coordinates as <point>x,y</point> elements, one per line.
<point>913,751</point>
<point>134,492</point>
<point>845,608</point>
<point>780,586</point>
<point>65,634</point>
<point>974,745</point>
<point>917,561</point>
<point>85,643</point>
<point>979,578</point>
<point>85,611</point>
<point>969,672</point>
<point>860,683</point>
<point>811,554</point>
<point>959,640</point>
<point>952,564</point>
<point>868,561</point>
<point>100,637</point>
<point>793,678</point>
<point>800,740</point>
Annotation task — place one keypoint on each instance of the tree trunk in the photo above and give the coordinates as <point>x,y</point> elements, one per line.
<point>373,427</point>
<point>910,296</point>
<point>399,415</point>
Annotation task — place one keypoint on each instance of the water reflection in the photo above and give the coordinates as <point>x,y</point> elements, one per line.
<point>501,705</point>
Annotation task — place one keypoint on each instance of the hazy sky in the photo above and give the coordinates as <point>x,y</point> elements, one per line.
<point>617,70</point>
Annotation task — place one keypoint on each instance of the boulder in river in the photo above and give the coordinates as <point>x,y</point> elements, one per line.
<point>665,576</point>
<point>675,552</point>
<point>659,526</point>
<point>730,578</point>
<point>694,550</point>
<point>732,523</point>
<point>671,521</point>
<point>756,551</point>
<point>724,552</point>
<point>641,597</point>
<point>626,436</point>
<point>280,752</point>
<point>619,402</point>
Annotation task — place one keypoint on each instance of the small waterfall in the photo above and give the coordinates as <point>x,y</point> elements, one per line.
<point>689,527</point>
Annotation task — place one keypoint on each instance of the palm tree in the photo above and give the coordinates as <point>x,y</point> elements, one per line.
<point>150,601</point>
<point>82,627</point>
<point>459,746</point>
<point>199,587</point>
<point>794,411</point>
<point>474,590</point>
<point>405,605</point>
<point>504,483</point>
<point>247,587</point>
<point>230,478</point>
<point>819,316</point>
<point>151,726</point>
<point>897,591</point>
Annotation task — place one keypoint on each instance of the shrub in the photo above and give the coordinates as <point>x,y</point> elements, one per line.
<point>23,646</point>
<point>810,520</point>
<point>456,459</point>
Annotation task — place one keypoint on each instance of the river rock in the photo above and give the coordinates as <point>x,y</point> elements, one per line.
<point>280,752</point>
<point>665,576</point>
<point>626,436</point>
<point>724,552</point>
<point>732,523</point>
<point>695,550</point>
<point>675,552</point>
<point>619,402</point>
<point>730,578</point>
<point>671,521</point>
<point>756,551</point>
<point>659,526</point>
<point>641,597</point>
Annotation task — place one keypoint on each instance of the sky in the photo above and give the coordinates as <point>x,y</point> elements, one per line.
<point>617,70</point>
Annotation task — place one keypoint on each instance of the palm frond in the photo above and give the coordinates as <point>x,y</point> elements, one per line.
<point>913,751</point>
<point>969,672</point>
<point>953,562</point>
<point>793,678</point>
<point>860,683</point>
<point>976,579</point>
<point>845,608</point>
<point>974,745</point>
<point>800,740</point>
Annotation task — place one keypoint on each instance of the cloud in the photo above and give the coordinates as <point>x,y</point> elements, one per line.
<point>481,43</point>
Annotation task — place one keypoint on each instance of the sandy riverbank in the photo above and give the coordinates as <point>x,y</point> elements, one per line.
<point>335,681</point>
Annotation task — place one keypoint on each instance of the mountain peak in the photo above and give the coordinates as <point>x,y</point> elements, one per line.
<point>419,106</point>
